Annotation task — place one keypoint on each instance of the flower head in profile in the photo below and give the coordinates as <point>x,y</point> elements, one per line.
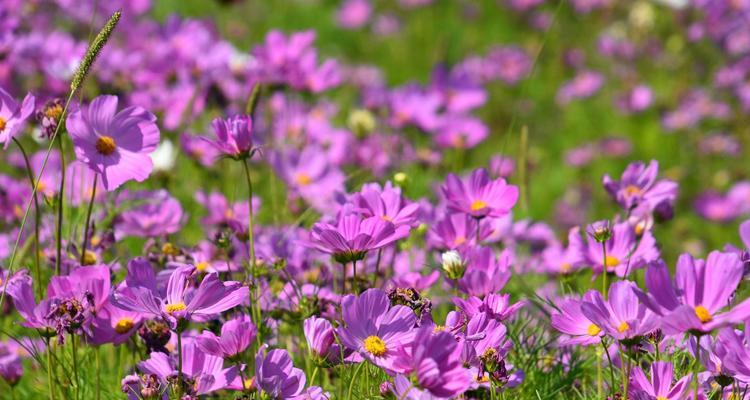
<point>701,290</point>
<point>116,145</point>
<point>479,196</point>
<point>374,329</point>
<point>660,385</point>
<point>353,236</point>
<point>236,336</point>
<point>234,136</point>
<point>639,186</point>
<point>276,375</point>
<point>13,115</point>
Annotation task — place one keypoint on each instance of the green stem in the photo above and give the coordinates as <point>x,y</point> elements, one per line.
<point>50,387</point>
<point>377,268</point>
<point>696,365</point>
<point>314,374</point>
<point>88,219</point>
<point>74,344</point>
<point>250,232</point>
<point>354,378</point>
<point>599,385</point>
<point>355,285</point>
<point>37,219</point>
<point>611,369</point>
<point>604,274</point>
<point>179,364</point>
<point>98,373</point>
<point>60,206</point>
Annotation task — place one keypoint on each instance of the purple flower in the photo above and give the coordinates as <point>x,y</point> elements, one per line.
<point>276,375</point>
<point>456,231</point>
<point>113,325</point>
<point>435,360</point>
<point>354,14</point>
<point>155,214</point>
<point>11,365</point>
<point>180,302</point>
<point>114,144</point>
<point>479,196</point>
<point>496,306</point>
<point>585,84</point>
<point>320,338</point>
<point>234,136</point>
<point>570,320</point>
<point>13,116</point>
<point>236,335</point>
<point>353,236</point>
<point>638,185</point>
<point>374,329</point>
<point>460,132</point>
<point>623,317</point>
<point>386,203</point>
<point>660,385</point>
<point>560,259</point>
<point>700,290</point>
<point>203,372</point>
<point>486,272</point>
<point>625,251</point>
<point>309,175</point>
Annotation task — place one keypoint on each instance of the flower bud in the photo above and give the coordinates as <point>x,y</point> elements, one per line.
<point>453,265</point>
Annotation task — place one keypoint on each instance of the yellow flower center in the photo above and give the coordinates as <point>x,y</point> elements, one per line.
<point>703,314</point>
<point>105,145</point>
<point>482,379</point>
<point>386,218</point>
<point>632,190</point>
<point>565,268</point>
<point>623,327</point>
<point>53,112</point>
<point>438,328</point>
<point>2,124</point>
<point>201,266</point>
<point>303,179</point>
<point>478,205</point>
<point>170,249</point>
<point>611,261</point>
<point>594,330</point>
<point>89,257</point>
<point>375,346</point>
<point>123,325</point>
<point>173,308</point>
<point>460,240</point>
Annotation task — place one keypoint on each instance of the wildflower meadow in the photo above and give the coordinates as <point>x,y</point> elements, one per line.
<point>374,199</point>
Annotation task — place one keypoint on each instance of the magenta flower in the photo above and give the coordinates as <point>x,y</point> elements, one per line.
<point>181,302</point>
<point>276,375</point>
<point>479,196</point>
<point>486,272</point>
<point>13,116</point>
<point>374,329</point>
<point>114,144</point>
<point>700,290</point>
<point>496,306</point>
<point>154,214</point>
<point>559,259</point>
<point>570,320</point>
<point>623,317</point>
<point>320,338</point>
<point>386,203</point>
<point>236,335</point>
<point>639,186</point>
<point>435,360</point>
<point>234,136</point>
<point>660,385</point>
<point>625,252</point>
<point>205,373</point>
<point>457,230</point>
<point>113,325</point>
<point>353,236</point>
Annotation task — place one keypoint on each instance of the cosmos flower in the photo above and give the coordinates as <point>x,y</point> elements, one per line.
<point>203,372</point>
<point>353,236</point>
<point>660,385</point>
<point>321,341</point>
<point>639,185</point>
<point>276,375</point>
<point>386,203</point>
<point>153,214</point>
<point>479,196</point>
<point>457,230</point>
<point>234,136</point>
<point>570,320</point>
<point>13,116</point>
<point>435,361</point>
<point>622,316</point>
<point>181,302</point>
<point>625,252</point>
<point>698,294</point>
<point>236,335</point>
<point>116,145</point>
<point>374,329</point>
<point>486,272</point>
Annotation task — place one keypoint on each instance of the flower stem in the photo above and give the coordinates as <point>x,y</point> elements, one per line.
<point>354,378</point>
<point>50,388</point>
<point>74,345</point>
<point>60,205</point>
<point>696,365</point>
<point>98,373</point>
<point>605,272</point>
<point>355,285</point>
<point>37,219</point>
<point>599,374</point>
<point>250,232</point>
<point>377,268</point>
<point>179,364</point>
<point>88,220</point>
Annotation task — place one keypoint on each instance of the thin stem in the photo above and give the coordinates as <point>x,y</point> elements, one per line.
<point>604,274</point>
<point>624,370</point>
<point>179,364</point>
<point>695,366</point>
<point>37,219</point>
<point>98,373</point>
<point>314,374</point>
<point>250,232</point>
<point>49,371</point>
<point>354,378</point>
<point>242,376</point>
<point>611,368</point>
<point>377,268</point>
<point>60,206</point>
<point>74,345</point>
<point>599,385</point>
<point>355,285</point>
<point>88,220</point>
